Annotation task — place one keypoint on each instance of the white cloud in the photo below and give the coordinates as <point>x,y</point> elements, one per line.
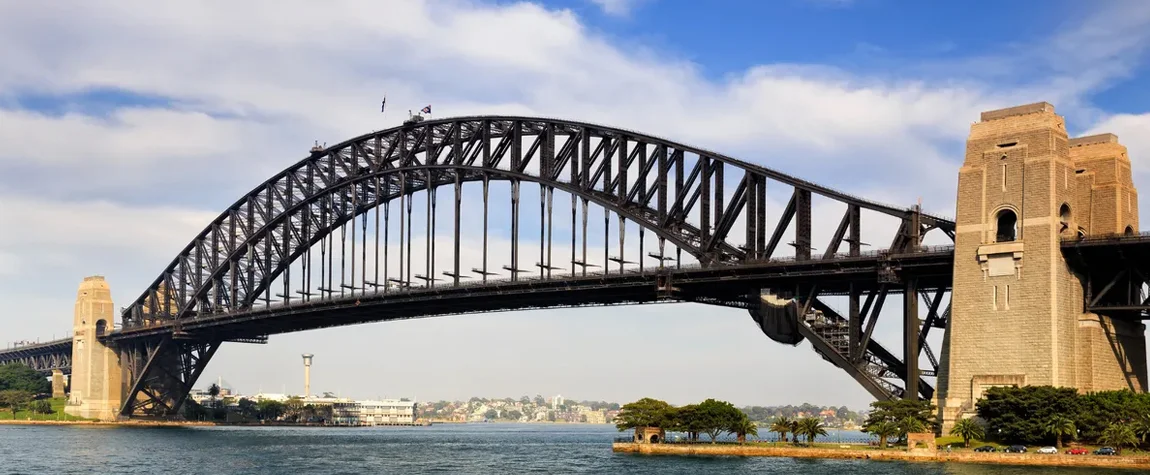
<point>129,136</point>
<point>616,7</point>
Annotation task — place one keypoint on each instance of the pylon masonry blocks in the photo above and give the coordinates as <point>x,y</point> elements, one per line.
<point>58,384</point>
<point>1017,313</point>
<point>97,376</point>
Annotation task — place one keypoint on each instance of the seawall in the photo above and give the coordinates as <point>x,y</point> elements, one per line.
<point>1132,462</point>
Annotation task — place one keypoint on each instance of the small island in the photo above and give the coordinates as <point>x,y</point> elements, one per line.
<point>1103,429</point>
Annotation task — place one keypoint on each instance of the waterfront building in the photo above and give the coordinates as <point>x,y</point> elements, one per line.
<point>373,413</point>
<point>270,397</point>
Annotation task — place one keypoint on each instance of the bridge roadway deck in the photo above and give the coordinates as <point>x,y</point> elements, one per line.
<point>933,266</point>
<point>43,357</point>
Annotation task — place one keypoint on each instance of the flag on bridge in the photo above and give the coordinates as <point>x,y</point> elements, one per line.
<point>426,110</point>
<point>383,104</point>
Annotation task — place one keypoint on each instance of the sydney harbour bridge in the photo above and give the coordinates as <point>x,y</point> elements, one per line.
<point>439,217</point>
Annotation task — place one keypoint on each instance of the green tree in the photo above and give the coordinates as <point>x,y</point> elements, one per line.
<point>884,430</point>
<point>514,415</point>
<point>269,410</point>
<point>969,429</point>
<point>214,392</point>
<point>539,401</point>
<point>194,411</point>
<point>646,412</point>
<point>324,413</point>
<point>491,414</point>
<point>910,425</point>
<point>1142,427</point>
<point>1019,415</point>
<point>20,377</point>
<point>293,408</point>
<point>810,427</point>
<point>1060,427</point>
<point>1099,410</point>
<point>715,417</point>
<point>743,427</point>
<point>687,419</point>
<point>901,412</point>
<point>41,406</point>
<point>782,425</point>
<point>247,408</point>
<point>1118,435</point>
<point>14,399</point>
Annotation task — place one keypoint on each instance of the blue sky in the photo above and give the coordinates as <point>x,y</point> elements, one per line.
<point>128,126</point>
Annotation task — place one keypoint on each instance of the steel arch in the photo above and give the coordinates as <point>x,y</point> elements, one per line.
<point>236,257</point>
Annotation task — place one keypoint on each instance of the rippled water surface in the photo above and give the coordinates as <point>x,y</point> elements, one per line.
<point>455,449</point>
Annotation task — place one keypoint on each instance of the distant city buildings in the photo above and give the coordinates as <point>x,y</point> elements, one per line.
<point>373,413</point>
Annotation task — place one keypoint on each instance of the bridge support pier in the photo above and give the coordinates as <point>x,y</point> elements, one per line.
<point>58,385</point>
<point>97,375</point>
<point>1018,316</point>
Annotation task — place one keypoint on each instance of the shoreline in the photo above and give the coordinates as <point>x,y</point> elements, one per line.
<point>1031,459</point>
<point>154,423</point>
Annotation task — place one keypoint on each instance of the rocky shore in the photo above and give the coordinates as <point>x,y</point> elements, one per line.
<point>1128,462</point>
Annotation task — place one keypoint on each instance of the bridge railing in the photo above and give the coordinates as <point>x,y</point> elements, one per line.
<point>627,271</point>
<point>1108,237</point>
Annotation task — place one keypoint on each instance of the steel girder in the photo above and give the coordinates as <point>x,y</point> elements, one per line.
<point>42,357</point>
<point>1115,273</point>
<point>231,263</point>
<point>675,192</point>
<point>162,372</point>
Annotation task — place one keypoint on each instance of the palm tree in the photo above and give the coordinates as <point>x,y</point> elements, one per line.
<point>1142,428</point>
<point>811,427</point>
<point>214,391</point>
<point>1060,426</point>
<point>782,425</point>
<point>1118,434</point>
<point>910,425</point>
<point>969,429</point>
<point>744,427</point>
<point>795,429</point>
<point>884,430</point>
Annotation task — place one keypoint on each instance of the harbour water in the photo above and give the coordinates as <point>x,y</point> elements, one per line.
<point>446,448</point>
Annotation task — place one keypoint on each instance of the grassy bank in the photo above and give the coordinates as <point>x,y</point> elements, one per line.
<point>56,415</point>
<point>873,453</point>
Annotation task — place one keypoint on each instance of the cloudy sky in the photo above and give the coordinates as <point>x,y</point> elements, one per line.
<point>128,126</point>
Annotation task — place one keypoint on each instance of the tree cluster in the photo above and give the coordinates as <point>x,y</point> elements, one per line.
<point>770,413</point>
<point>19,386</point>
<point>15,376</point>
<point>899,417</point>
<point>808,427</point>
<point>1044,414</point>
<point>711,417</point>
<point>15,400</point>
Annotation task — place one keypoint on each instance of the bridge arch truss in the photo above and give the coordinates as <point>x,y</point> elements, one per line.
<point>641,202</point>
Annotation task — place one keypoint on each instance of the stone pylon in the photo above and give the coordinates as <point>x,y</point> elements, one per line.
<point>97,375</point>
<point>58,384</point>
<point>1017,308</point>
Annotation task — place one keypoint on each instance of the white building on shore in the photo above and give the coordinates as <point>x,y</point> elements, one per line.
<point>373,413</point>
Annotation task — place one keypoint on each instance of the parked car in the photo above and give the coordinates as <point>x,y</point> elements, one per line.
<point>1077,451</point>
<point>1015,449</point>
<point>1106,451</point>
<point>986,448</point>
<point>1048,450</point>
